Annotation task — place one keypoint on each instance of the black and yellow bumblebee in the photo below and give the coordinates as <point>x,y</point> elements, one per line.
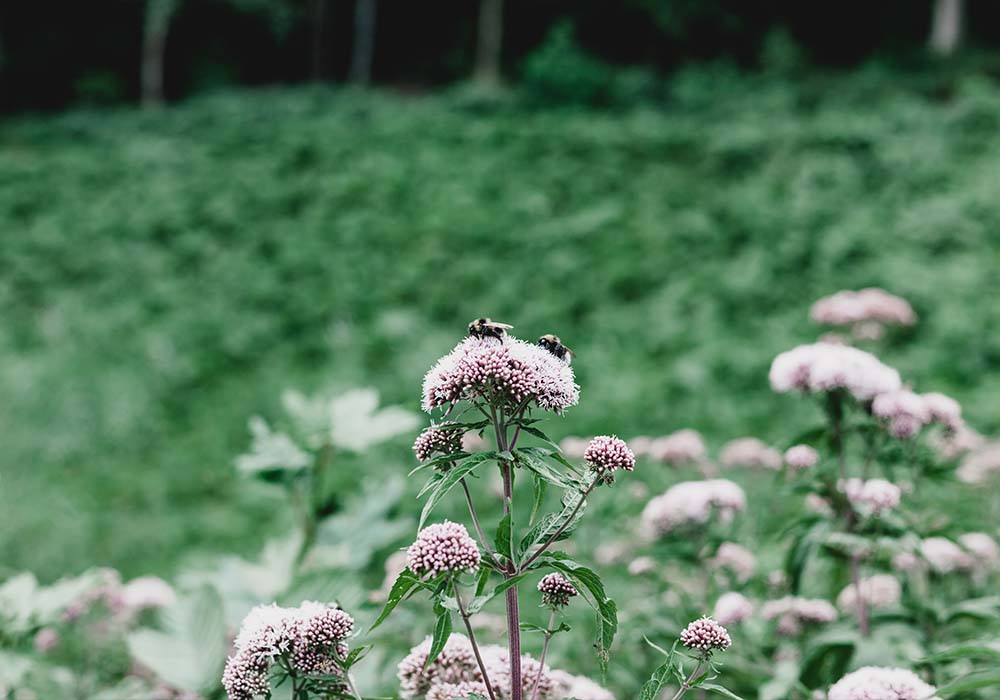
<point>488,328</point>
<point>553,344</point>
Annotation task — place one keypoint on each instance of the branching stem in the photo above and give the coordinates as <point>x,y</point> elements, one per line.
<point>472,638</point>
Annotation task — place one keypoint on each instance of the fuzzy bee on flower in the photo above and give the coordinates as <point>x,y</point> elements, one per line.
<point>554,345</point>
<point>488,328</point>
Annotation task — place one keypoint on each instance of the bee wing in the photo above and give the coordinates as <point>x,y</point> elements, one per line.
<point>505,326</point>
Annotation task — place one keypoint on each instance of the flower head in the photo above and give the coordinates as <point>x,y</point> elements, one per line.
<point>849,307</point>
<point>506,367</point>
<point>578,687</point>
<point>464,690</point>
<point>556,590</point>
<point>874,495</point>
<point>731,608</point>
<point>750,452</point>
<point>944,556</point>
<point>792,612</point>
<point>678,448</point>
<point>801,457</point>
<point>706,635</point>
<point>878,683</point>
<point>313,636</point>
<point>691,504</point>
<point>441,439</point>
<point>456,663</point>
<point>443,547</point>
<point>607,454</point>
<point>735,558</point>
<point>822,367</point>
<point>983,547</point>
<point>878,591</point>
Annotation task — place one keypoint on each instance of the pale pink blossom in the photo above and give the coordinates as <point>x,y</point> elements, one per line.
<point>983,547</point>
<point>642,565</point>
<point>732,608</point>
<point>878,683</point>
<point>441,439</point>
<point>819,505</point>
<point>750,452</point>
<point>980,465</point>
<point>506,367</point>
<point>574,447</point>
<point>679,448</point>
<point>873,496</point>
<point>706,635</point>
<point>577,687</point>
<point>792,613</point>
<point>822,367</point>
<point>147,592</point>
<point>607,454</point>
<point>847,307</point>
<point>801,457</point>
<point>944,556</point>
<point>735,558</point>
<point>443,547</point>
<point>46,639</point>
<point>692,503</point>
<point>878,591</point>
<point>556,590</point>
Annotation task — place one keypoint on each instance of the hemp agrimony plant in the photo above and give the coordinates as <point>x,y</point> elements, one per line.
<point>493,383</point>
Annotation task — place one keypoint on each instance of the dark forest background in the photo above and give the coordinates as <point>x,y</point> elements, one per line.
<point>54,55</point>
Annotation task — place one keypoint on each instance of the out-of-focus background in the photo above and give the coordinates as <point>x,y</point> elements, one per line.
<point>206,202</point>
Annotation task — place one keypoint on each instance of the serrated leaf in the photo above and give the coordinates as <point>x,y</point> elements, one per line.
<point>551,522</point>
<point>652,688</point>
<point>400,587</point>
<point>450,479</point>
<point>503,537</point>
<point>538,489</point>
<point>442,631</point>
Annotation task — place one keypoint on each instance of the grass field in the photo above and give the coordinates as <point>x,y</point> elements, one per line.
<point>164,276</point>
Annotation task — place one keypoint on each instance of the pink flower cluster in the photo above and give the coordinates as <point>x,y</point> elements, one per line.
<point>577,687</point>
<point>878,591</point>
<point>880,683</point>
<point>848,307</point>
<point>944,556</point>
<point>607,454</point>
<point>455,670</point>
<point>735,558</point>
<point>981,464</point>
<point>691,503</point>
<point>732,608</point>
<point>792,612</point>
<point>123,600</point>
<point>443,547</point>
<point>906,412</point>
<point>508,367</point>
<point>678,448</point>
<point>556,590</point>
<point>442,439</point>
<point>706,635</point>
<point>750,452</point>
<point>313,636</point>
<point>801,457</point>
<point>874,496</point>
<point>983,547</point>
<point>821,367</point>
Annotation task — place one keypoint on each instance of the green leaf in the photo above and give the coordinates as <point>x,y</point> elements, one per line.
<point>652,688</point>
<point>191,650</point>
<point>538,434</point>
<point>503,537</point>
<point>973,681</point>
<point>450,479</point>
<point>480,600</point>
<point>989,650</point>
<point>538,487</point>
<point>442,631</point>
<point>400,587</point>
<point>716,688</point>
<point>528,457</point>
<point>607,610</point>
<point>551,522</point>
<point>437,461</point>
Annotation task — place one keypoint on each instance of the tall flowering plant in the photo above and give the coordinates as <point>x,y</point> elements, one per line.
<point>493,383</point>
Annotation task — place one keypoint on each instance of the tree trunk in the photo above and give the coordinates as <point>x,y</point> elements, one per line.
<point>946,28</point>
<point>487,69</point>
<point>364,42</point>
<point>156,25</point>
<point>318,42</point>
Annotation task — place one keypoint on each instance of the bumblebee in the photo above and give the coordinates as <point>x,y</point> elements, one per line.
<point>553,344</point>
<point>488,328</point>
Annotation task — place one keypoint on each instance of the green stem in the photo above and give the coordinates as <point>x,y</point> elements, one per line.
<point>686,685</point>
<point>545,649</point>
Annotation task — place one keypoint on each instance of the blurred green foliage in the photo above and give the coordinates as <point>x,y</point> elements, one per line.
<point>164,276</point>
